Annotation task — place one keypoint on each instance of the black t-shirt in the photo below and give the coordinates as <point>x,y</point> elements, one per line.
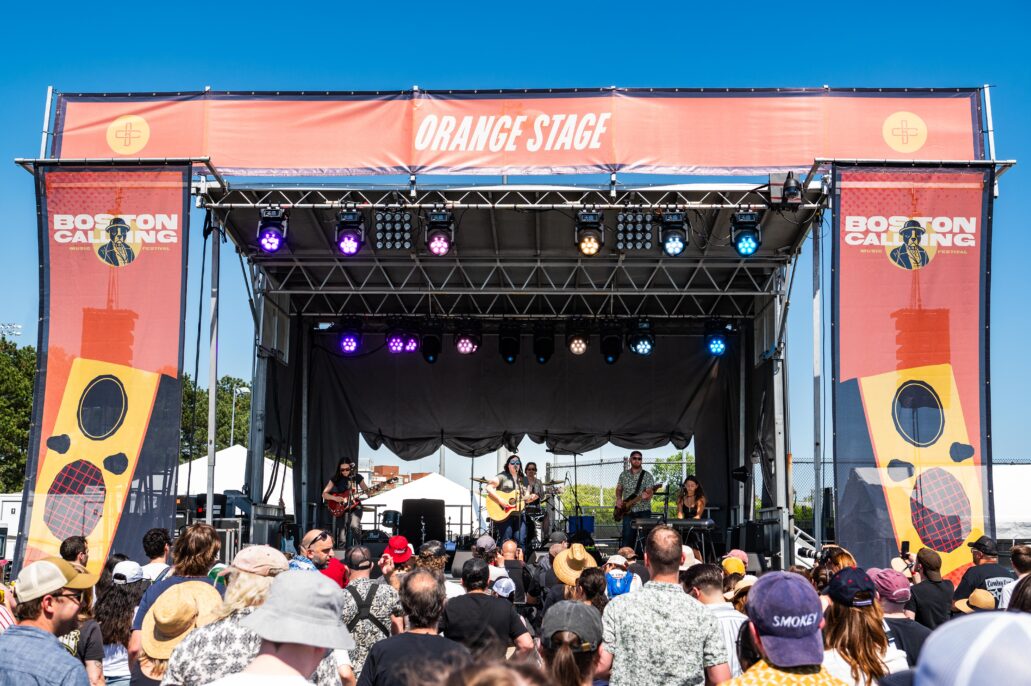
<point>640,570</point>
<point>484,624</point>
<point>908,636</point>
<point>345,483</point>
<point>931,602</point>
<point>989,576</point>
<point>86,642</point>
<point>407,659</point>
<point>523,580</point>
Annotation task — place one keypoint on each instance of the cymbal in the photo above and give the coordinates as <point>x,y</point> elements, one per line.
<point>554,482</point>
<point>479,480</point>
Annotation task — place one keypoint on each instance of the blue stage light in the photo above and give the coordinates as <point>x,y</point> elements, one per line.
<point>717,344</point>
<point>745,234</point>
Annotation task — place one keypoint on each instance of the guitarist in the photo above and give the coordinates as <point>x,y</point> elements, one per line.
<point>342,488</point>
<point>511,479</point>
<point>638,485</point>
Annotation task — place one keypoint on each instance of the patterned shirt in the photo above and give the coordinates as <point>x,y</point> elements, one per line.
<point>628,480</point>
<point>764,674</point>
<point>302,563</point>
<point>385,603</point>
<point>661,635</point>
<point>225,647</point>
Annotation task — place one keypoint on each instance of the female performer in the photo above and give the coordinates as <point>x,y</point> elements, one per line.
<point>691,501</point>
<point>342,488</point>
<point>511,479</point>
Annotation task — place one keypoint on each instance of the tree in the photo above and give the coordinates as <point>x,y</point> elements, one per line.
<point>195,417</point>
<point>17,371</point>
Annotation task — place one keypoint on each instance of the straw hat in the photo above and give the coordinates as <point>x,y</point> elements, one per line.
<point>569,563</point>
<point>980,600</point>
<point>176,612</point>
<point>746,581</point>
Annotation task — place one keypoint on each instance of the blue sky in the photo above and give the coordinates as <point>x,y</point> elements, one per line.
<point>83,47</point>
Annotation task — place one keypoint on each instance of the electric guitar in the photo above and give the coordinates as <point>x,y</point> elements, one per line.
<point>619,512</point>
<point>499,513</point>
<point>352,502</point>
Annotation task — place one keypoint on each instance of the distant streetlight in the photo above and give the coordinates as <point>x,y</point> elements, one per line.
<point>237,390</point>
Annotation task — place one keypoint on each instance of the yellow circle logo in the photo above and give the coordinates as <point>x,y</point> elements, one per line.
<point>904,132</point>
<point>128,134</point>
<point>116,242</point>
<point>911,247</point>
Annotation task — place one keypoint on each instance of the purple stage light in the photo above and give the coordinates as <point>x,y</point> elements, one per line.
<point>349,343</point>
<point>411,343</point>
<point>395,343</point>
<point>439,244</point>
<point>270,240</point>
<point>466,345</point>
<point>349,243</point>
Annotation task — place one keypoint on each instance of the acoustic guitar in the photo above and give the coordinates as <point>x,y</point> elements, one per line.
<point>619,512</point>
<point>499,513</point>
<point>353,502</point>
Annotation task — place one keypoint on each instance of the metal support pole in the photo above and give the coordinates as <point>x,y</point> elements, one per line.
<point>440,462</point>
<point>216,241</point>
<point>305,496</point>
<point>255,478</point>
<point>781,477</point>
<point>744,493</point>
<point>46,123</point>
<point>817,386</point>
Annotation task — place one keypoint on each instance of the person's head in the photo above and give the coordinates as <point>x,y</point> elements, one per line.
<point>615,562</point>
<point>115,607</point>
<point>399,550</point>
<point>693,487</point>
<point>196,550</point>
<point>591,586</point>
<point>704,582</point>
<point>892,589</point>
<point>629,553</point>
<point>514,465</point>
<point>359,562</point>
<point>156,544</point>
<point>570,563</point>
<point>663,553</point>
<point>636,459</point>
<point>345,467</point>
<point>317,546</point>
<point>929,563</point>
<point>104,582</point>
<point>301,619</point>
<point>835,558</point>
<point>855,623</point>
<point>738,595</point>
<point>979,600</point>
<point>730,581</point>
<point>479,673</point>
<point>509,549</point>
<point>785,617</point>
<point>531,470</point>
<point>989,648</point>
<point>250,576</point>
<point>486,549</point>
<point>800,570</point>
<point>558,537</point>
<point>984,550</point>
<point>748,652</point>
<point>555,548</point>
<point>432,555</point>
<point>570,635</point>
<point>75,549</point>
<point>1020,599</point>
<point>475,574</point>
<point>732,565</point>
<point>422,596</point>
<point>1020,558</point>
<point>50,595</point>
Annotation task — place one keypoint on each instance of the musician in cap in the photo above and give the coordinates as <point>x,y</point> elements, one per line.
<point>634,493</point>
<point>343,488</point>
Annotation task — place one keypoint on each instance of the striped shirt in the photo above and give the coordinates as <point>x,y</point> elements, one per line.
<point>730,621</point>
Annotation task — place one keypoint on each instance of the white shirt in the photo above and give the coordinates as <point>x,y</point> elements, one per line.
<point>1007,592</point>
<point>453,589</point>
<point>894,660</point>
<point>116,660</point>
<point>260,680</point>
<point>151,570</point>
<point>730,621</point>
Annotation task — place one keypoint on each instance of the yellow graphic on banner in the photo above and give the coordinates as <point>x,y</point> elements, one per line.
<point>128,134</point>
<point>86,471</point>
<point>904,131</point>
<point>925,461</point>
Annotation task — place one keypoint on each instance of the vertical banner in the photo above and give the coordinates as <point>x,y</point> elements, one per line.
<point>104,443</point>
<point>911,414</point>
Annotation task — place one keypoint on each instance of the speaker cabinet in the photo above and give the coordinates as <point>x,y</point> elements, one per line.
<point>422,520</point>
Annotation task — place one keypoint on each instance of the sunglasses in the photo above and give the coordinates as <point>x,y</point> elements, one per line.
<point>77,596</point>
<point>323,535</point>
<point>531,469</point>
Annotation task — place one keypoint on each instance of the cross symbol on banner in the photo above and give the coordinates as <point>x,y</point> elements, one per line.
<point>904,131</point>
<point>127,134</point>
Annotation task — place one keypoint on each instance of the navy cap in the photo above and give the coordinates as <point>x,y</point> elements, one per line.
<point>848,583</point>
<point>786,613</point>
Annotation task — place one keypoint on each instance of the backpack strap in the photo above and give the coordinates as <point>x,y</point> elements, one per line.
<point>365,609</point>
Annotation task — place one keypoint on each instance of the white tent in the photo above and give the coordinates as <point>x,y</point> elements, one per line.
<point>456,497</point>
<point>230,468</point>
<point>1012,483</point>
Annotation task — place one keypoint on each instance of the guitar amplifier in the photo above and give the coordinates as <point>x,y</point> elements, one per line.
<point>231,535</point>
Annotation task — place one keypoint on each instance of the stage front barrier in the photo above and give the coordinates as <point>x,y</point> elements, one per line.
<point>911,415</point>
<point>104,440</point>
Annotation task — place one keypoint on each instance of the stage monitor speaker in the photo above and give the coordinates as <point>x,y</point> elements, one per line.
<point>461,557</point>
<point>422,520</point>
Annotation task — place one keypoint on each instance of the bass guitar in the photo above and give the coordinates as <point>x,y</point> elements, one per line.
<point>352,500</point>
<point>499,513</point>
<point>619,512</point>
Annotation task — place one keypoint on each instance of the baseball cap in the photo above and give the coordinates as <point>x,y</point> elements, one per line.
<point>485,544</point>
<point>852,587</point>
<point>931,562</point>
<point>262,560</point>
<point>977,649</point>
<point>558,537</point>
<point>49,575</point>
<point>986,545</point>
<point>787,614</point>
<point>358,558</point>
<point>398,550</point>
<point>617,560</point>
<point>302,608</point>
<point>504,587</point>
<point>739,554</point>
<point>732,565</point>
<point>579,618</point>
<point>126,572</point>
<point>979,600</point>
<point>891,585</point>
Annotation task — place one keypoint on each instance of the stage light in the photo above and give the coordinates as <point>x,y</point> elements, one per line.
<point>792,193</point>
<point>411,343</point>
<point>641,340</point>
<point>716,343</point>
<point>272,227</point>
<point>745,234</point>
<point>467,343</point>
<point>393,229</point>
<point>395,342</point>
<point>440,232</point>
<point>577,340</point>
<point>634,230</point>
<point>674,234</point>
<point>543,342</point>
<point>350,341</point>
<point>350,231</point>
<point>432,342</point>
<point>508,342</point>
<point>611,342</point>
<point>589,234</point>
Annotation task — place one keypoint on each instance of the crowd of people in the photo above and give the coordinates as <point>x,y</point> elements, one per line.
<point>567,618</point>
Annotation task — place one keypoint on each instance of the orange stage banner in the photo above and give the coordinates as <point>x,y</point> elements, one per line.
<point>655,131</point>
<point>911,414</point>
<point>104,444</point>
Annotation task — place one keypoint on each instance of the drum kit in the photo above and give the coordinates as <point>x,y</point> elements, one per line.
<point>536,513</point>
